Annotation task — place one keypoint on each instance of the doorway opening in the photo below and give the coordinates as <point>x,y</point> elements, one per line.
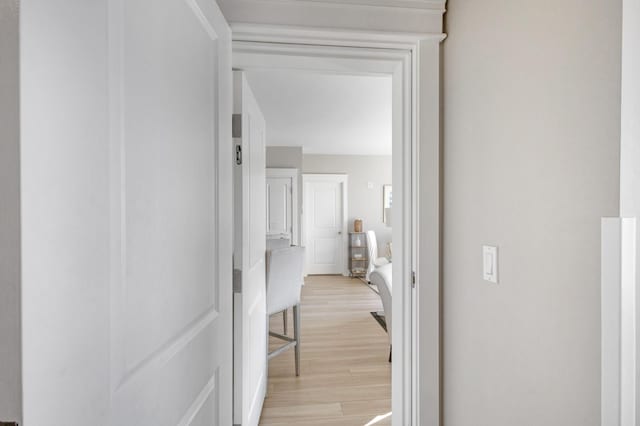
<point>342,133</point>
<point>395,64</point>
<point>413,62</point>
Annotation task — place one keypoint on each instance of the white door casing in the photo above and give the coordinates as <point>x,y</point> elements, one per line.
<point>413,62</point>
<point>282,204</point>
<point>325,223</point>
<point>250,338</point>
<point>171,226</point>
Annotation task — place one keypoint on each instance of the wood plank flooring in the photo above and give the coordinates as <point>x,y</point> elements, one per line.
<point>345,377</point>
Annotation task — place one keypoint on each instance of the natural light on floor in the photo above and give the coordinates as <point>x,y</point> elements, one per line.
<point>378,419</point>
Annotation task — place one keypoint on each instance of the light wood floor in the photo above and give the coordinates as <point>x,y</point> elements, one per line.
<point>345,375</point>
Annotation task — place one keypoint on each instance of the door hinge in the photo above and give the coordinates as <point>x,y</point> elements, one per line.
<point>238,155</point>
<point>237,281</point>
<point>236,125</point>
<point>413,279</point>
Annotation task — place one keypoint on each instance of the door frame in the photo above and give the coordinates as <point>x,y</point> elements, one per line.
<point>279,172</point>
<point>413,61</point>
<point>334,177</point>
<point>249,261</point>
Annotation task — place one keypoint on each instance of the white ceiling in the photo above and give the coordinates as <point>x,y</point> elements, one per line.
<point>325,114</point>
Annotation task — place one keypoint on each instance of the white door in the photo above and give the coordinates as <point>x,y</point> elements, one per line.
<point>325,225</point>
<point>171,293</point>
<point>279,204</point>
<point>250,325</point>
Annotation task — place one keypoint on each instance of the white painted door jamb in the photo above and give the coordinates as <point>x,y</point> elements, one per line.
<point>618,317</point>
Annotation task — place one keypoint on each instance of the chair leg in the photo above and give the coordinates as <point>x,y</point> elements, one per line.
<point>284,320</point>
<point>267,360</point>
<point>390,352</point>
<point>296,336</point>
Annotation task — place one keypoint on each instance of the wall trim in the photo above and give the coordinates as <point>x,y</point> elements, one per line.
<point>434,6</point>
<point>263,33</point>
<point>618,321</point>
<point>339,16</point>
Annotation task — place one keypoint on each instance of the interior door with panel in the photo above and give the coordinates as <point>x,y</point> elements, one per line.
<point>325,227</point>
<point>250,324</point>
<point>283,208</point>
<point>171,284</point>
<point>279,207</point>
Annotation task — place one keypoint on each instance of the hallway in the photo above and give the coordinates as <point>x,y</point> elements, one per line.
<point>345,377</point>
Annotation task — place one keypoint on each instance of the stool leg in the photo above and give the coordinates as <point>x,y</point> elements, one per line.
<point>267,360</point>
<point>296,336</point>
<point>284,320</point>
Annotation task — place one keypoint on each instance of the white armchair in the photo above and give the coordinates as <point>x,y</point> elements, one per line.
<point>284,284</point>
<point>374,260</point>
<point>381,277</point>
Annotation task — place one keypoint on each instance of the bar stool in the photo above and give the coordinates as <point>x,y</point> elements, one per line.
<point>284,285</point>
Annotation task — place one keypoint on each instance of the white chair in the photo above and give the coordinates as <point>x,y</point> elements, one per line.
<point>276,243</point>
<point>374,260</point>
<point>284,284</point>
<point>381,277</point>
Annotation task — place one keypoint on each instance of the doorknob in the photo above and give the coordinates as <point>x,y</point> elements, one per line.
<point>339,232</point>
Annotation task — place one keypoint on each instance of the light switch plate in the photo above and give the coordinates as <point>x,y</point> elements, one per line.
<point>490,264</point>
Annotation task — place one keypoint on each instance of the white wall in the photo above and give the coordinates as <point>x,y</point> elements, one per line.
<point>363,203</point>
<point>10,379</point>
<point>531,162</point>
<point>284,156</point>
<point>65,212</point>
